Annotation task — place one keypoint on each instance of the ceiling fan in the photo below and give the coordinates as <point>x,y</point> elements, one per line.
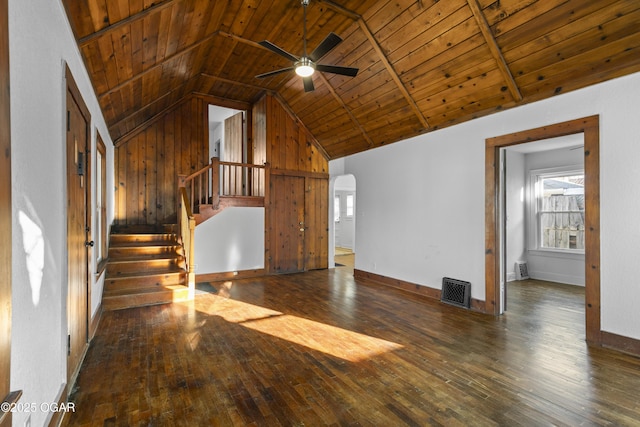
<point>306,65</point>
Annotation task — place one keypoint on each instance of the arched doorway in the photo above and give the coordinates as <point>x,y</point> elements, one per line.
<point>344,220</point>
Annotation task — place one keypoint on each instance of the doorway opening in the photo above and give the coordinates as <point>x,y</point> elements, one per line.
<point>494,238</point>
<point>344,221</point>
<point>543,212</point>
<point>227,134</point>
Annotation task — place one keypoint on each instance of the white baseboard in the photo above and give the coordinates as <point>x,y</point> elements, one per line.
<point>558,278</point>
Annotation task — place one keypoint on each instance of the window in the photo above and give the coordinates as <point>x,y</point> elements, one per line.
<point>101,204</point>
<point>349,205</point>
<point>336,209</point>
<point>559,209</point>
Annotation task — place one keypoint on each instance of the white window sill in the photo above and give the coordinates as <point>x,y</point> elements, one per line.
<point>557,253</point>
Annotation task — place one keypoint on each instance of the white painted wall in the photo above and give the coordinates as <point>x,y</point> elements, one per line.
<point>232,240</point>
<point>515,206</point>
<point>40,43</point>
<point>421,201</point>
<point>553,266</point>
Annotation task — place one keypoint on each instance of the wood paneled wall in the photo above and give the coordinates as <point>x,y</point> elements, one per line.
<point>298,190</point>
<point>147,164</point>
<point>286,143</point>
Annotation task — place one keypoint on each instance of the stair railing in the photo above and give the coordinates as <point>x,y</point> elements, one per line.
<point>186,232</point>
<point>223,179</point>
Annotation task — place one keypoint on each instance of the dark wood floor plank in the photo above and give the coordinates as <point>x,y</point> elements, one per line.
<point>319,348</point>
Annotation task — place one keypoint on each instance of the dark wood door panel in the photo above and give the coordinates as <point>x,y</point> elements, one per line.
<point>286,227</point>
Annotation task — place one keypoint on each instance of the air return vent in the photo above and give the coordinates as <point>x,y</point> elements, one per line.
<point>522,272</point>
<point>456,292</point>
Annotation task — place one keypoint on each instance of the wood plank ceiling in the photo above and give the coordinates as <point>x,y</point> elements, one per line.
<point>424,64</point>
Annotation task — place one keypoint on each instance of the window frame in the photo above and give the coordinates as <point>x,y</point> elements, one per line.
<point>101,253</point>
<point>350,205</point>
<point>534,229</point>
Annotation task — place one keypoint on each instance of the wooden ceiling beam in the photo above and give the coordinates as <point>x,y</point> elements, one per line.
<point>159,64</point>
<point>495,49</point>
<point>342,10</point>
<point>113,27</point>
<point>383,58</point>
<point>232,82</point>
<point>346,108</point>
<point>393,74</point>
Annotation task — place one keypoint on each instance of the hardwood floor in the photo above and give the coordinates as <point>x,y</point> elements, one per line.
<point>319,349</point>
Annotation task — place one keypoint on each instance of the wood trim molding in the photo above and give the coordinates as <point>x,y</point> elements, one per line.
<point>368,278</point>
<point>222,102</point>
<point>620,343</point>
<point>589,126</point>
<point>306,174</point>
<point>95,322</point>
<point>5,211</point>
<point>230,275</point>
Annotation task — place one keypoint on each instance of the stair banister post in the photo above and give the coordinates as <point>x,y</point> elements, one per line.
<point>215,182</point>
<point>182,182</point>
<point>191,278</point>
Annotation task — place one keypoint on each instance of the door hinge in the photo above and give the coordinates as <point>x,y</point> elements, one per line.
<point>69,345</point>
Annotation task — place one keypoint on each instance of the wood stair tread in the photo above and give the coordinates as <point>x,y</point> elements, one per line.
<point>147,290</point>
<point>142,258</point>
<point>145,267</point>
<point>145,273</point>
<point>143,244</point>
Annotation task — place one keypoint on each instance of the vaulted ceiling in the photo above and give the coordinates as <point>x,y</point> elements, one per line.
<point>424,64</point>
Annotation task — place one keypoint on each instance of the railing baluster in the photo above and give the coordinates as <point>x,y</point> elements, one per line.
<point>225,179</point>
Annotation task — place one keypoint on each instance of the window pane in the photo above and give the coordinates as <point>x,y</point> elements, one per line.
<point>349,204</point>
<point>562,212</point>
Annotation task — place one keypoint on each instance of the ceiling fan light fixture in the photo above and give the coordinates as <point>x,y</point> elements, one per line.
<point>305,68</point>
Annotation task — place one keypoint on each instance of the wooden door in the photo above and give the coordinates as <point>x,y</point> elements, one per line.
<point>5,214</point>
<point>234,152</point>
<point>77,230</point>
<point>298,223</point>
<point>286,224</point>
<point>316,223</point>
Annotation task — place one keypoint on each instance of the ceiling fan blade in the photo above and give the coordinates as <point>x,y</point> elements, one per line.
<point>274,72</point>
<point>329,42</point>
<point>308,84</point>
<point>336,69</point>
<point>275,49</point>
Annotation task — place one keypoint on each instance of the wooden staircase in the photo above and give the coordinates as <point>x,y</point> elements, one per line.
<point>146,266</point>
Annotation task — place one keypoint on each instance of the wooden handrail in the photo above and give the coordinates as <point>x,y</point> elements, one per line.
<point>186,234</point>
<point>223,179</point>
<point>10,399</point>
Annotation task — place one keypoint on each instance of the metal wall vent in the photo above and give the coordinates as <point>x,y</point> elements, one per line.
<point>456,292</point>
<point>522,272</point>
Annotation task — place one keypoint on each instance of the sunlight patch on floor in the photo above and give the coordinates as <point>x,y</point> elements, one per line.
<point>337,342</point>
